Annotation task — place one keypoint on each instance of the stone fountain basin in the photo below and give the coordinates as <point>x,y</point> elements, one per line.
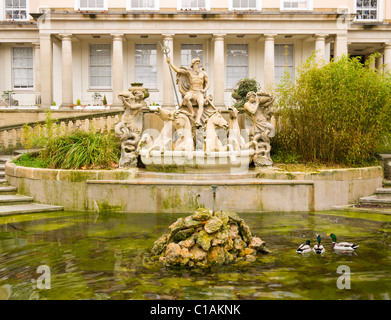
<point>186,161</point>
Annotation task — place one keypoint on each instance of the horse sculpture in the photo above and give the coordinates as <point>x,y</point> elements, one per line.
<point>164,140</point>
<point>212,142</point>
<point>184,132</point>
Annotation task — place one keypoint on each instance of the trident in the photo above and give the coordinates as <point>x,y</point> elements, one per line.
<point>166,51</point>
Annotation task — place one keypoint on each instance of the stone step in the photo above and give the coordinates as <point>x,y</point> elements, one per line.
<point>6,200</point>
<point>2,174</point>
<point>387,183</point>
<point>376,199</point>
<point>384,192</point>
<point>3,181</point>
<point>196,176</point>
<point>4,158</point>
<point>7,190</point>
<point>28,208</point>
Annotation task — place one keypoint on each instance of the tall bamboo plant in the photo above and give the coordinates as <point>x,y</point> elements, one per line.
<point>336,112</point>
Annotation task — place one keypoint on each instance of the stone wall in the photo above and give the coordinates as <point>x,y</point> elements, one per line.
<point>124,191</point>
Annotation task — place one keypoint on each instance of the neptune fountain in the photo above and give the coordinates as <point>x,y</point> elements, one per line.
<point>196,134</point>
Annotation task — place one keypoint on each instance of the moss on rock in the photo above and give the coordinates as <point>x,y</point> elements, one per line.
<point>203,240</point>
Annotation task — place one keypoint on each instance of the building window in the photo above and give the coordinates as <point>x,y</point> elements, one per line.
<point>367,9</point>
<point>193,4</point>
<point>16,9</point>
<point>189,52</point>
<point>23,67</point>
<point>142,5</point>
<point>296,5</point>
<point>146,65</point>
<point>100,66</point>
<point>283,61</point>
<point>91,4</point>
<point>245,4</point>
<point>237,63</point>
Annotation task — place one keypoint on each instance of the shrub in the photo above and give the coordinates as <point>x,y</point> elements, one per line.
<point>82,149</point>
<point>104,100</point>
<point>244,86</point>
<point>336,112</point>
<point>39,135</point>
<point>73,150</point>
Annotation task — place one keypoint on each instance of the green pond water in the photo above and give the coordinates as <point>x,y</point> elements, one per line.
<point>99,256</point>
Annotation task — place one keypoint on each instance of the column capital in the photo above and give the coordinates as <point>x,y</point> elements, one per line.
<point>219,36</point>
<point>320,36</point>
<point>387,45</point>
<point>118,36</point>
<point>269,36</point>
<point>168,36</point>
<point>66,36</point>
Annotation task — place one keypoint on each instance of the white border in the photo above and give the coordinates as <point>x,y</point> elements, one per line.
<point>77,6</point>
<point>310,6</point>
<point>16,90</point>
<point>156,6</point>
<point>258,6</point>
<point>180,8</point>
<point>380,12</point>
<point>2,12</point>
<point>100,88</point>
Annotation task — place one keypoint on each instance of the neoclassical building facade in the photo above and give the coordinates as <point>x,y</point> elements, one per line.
<point>67,50</point>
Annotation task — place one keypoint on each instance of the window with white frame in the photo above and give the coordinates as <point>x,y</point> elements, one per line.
<point>193,4</point>
<point>100,66</point>
<point>16,9</point>
<point>146,65</point>
<point>283,61</point>
<point>189,52</point>
<point>91,4</point>
<point>245,4</point>
<point>237,64</point>
<point>296,5</point>
<point>142,4</point>
<point>367,9</point>
<point>22,67</point>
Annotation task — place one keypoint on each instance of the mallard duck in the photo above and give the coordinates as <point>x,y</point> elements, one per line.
<point>318,248</point>
<point>343,246</point>
<point>304,247</point>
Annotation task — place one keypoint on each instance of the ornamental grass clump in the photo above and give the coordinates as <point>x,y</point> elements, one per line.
<point>334,113</point>
<point>77,149</point>
<point>81,149</point>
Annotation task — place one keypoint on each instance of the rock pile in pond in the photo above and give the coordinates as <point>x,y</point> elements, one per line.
<point>204,240</point>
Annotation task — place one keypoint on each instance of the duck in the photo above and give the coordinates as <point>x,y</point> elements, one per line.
<point>343,246</point>
<point>318,248</point>
<point>304,247</point>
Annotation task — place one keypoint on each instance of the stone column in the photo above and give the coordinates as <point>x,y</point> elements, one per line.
<point>67,72</point>
<point>269,62</point>
<point>340,45</point>
<point>219,70</point>
<point>118,69</point>
<point>46,72</point>
<point>320,48</point>
<point>37,72</point>
<point>168,88</point>
<point>387,57</point>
